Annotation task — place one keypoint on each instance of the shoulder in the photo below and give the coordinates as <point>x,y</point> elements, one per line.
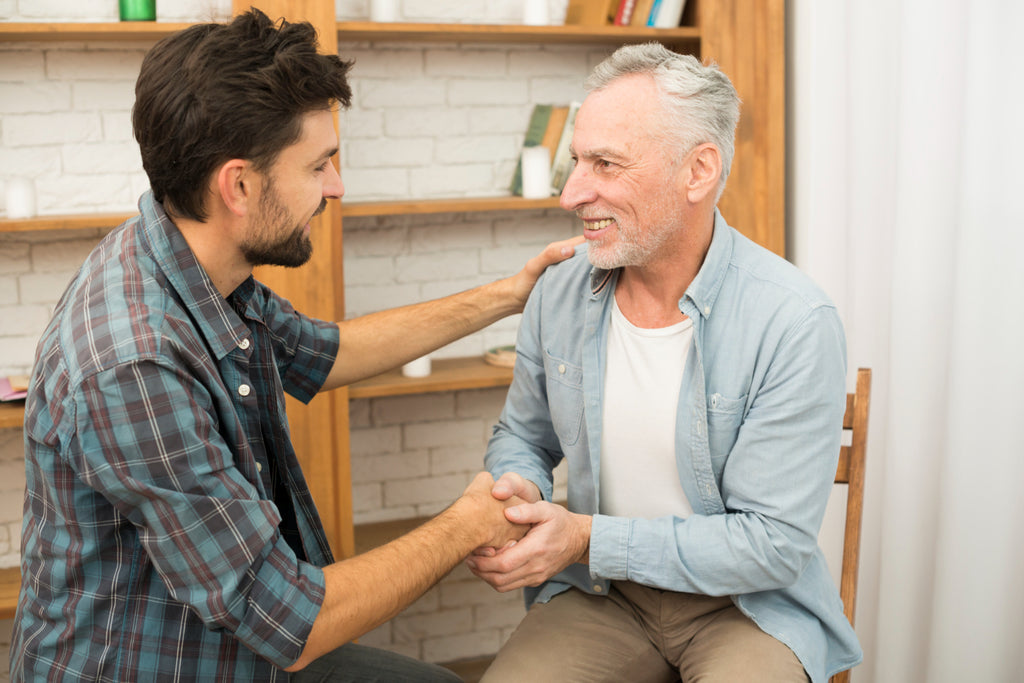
<point>755,270</point>
<point>119,307</point>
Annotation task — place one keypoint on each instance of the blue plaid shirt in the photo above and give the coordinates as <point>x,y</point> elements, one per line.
<point>153,545</point>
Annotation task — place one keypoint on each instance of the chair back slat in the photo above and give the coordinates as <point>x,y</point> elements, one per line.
<point>850,472</point>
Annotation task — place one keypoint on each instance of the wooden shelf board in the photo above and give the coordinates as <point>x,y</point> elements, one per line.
<point>450,205</point>
<point>368,31</point>
<point>64,222</point>
<point>10,584</point>
<point>87,30</point>
<point>12,414</point>
<point>350,209</point>
<point>447,374</point>
<point>512,33</point>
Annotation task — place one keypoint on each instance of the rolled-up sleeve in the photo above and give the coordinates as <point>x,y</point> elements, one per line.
<point>304,348</point>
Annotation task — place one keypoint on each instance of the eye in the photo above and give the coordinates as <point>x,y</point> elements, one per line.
<point>323,167</point>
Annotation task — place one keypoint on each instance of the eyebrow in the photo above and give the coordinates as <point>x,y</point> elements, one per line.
<point>326,155</point>
<point>604,152</point>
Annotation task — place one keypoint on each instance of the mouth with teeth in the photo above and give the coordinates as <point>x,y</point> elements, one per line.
<point>592,227</point>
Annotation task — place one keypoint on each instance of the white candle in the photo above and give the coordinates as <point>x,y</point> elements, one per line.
<point>417,368</point>
<point>536,172</point>
<point>383,10</point>
<point>535,12</point>
<point>21,198</point>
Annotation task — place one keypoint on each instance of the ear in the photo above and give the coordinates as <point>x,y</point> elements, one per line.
<point>703,169</point>
<point>233,183</point>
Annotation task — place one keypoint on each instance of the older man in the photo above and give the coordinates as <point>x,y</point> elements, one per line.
<point>695,384</point>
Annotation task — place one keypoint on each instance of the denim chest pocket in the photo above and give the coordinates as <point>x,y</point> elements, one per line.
<point>724,418</point>
<point>565,397</point>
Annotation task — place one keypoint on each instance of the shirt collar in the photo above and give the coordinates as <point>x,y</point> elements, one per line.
<point>218,323</point>
<point>704,289</point>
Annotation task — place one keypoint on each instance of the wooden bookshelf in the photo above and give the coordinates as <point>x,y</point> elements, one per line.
<point>119,31</point>
<point>348,209</point>
<point>349,31</point>
<point>12,414</point>
<point>446,374</point>
<point>63,222</point>
<point>451,205</point>
<point>10,584</point>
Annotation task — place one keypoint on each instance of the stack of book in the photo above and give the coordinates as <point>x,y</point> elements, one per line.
<point>653,13</point>
<point>550,126</point>
<point>13,387</point>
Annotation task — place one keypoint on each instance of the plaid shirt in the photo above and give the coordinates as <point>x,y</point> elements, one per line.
<point>155,432</point>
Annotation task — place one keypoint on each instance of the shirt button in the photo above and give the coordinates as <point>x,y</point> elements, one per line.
<point>259,467</point>
<point>707,310</point>
<point>561,369</point>
<point>243,389</point>
<point>244,344</point>
<point>597,588</point>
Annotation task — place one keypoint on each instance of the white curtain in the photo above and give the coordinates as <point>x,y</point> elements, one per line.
<point>906,202</point>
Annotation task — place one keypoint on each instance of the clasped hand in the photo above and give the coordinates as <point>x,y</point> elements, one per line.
<point>556,539</point>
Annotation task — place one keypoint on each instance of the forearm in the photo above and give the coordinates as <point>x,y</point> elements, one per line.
<point>365,591</point>
<point>377,342</point>
<point>380,341</point>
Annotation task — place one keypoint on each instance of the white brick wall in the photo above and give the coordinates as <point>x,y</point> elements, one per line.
<point>428,120</point>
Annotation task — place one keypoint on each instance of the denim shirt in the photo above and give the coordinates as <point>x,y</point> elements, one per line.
<point>758,432</point>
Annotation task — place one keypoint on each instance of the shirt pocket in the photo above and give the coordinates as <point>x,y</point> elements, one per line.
<point>725,415</point>
<point>565,397</point>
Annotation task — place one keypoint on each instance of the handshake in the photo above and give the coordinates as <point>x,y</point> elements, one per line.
<point>529,540</point>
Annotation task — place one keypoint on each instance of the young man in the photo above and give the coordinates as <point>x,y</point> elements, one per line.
<point>695,383</point>
<point>169,533</point>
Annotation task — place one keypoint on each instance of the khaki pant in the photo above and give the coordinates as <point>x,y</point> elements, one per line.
<point>641,635</point>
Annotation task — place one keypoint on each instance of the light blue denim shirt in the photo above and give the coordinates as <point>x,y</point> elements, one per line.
<point>757,440</point>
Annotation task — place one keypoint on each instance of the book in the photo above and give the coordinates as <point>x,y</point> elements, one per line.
<point>534,136</point>
<point>13,387</point>
<point>641,13</point>
<point>562,163</point>
<point>670,13</point>
<point>553,133</point>
<point>653,16</point>
<point>625,12</point>
<point>591,12</point>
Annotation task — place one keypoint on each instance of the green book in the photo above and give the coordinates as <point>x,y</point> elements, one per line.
<point>534,136</point>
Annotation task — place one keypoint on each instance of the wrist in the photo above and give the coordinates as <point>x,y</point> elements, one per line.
<point>585,526</point>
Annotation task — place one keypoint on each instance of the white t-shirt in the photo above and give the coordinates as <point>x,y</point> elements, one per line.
<point>641,394</point>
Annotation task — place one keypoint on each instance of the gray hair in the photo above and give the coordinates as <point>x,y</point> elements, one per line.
<point>701,104</point>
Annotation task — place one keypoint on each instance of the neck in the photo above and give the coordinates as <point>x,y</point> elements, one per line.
<point>649,295</point>
<point>217,253</point>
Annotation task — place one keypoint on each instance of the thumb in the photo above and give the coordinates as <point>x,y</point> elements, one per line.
<point>527,513</point>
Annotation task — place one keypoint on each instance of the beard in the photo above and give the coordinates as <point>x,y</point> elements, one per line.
<point>633,247</point>
<point>279,239</point>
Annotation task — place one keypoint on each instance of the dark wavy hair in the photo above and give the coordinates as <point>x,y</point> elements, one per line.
<point>215,92</point>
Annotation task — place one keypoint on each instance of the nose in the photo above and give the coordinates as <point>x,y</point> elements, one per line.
<point>577,190</point>
<point>333,187</point>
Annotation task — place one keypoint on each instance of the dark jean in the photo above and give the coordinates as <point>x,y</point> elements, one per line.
<point>354,663</point>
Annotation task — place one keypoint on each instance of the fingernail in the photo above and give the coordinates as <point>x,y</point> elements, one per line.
<point>514,513</point>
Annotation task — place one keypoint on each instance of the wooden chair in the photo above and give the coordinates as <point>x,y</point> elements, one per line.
<point>851,473</point>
